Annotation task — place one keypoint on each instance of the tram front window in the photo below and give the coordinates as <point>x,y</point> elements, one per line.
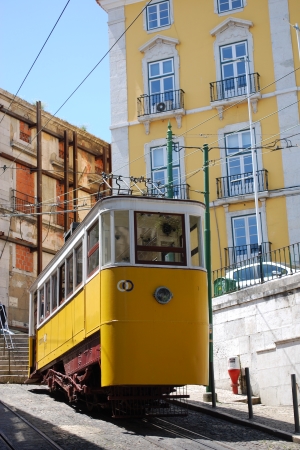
<point>93,248</point>
<point>195,241</point>
<point>159,238</point>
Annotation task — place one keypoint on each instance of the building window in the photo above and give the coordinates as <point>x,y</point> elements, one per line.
<point>158,15</point>
<point>239,163</point>
<point>234,69</point>
<point>228,5</point>
<point>159,163</point>
<point>161,84</point>
<point>245,237</point>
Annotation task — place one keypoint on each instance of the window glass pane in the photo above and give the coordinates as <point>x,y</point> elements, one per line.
<point>62,283</point>
<point>158,157</point>
<point>232,143</point>
<point>47,303</point>
<point>35,310</point>
<point>122,241</point>
<point>70,274</point>
<point>54,291</point>
<point>79,265</point>
<point>195,233</point>
<point>226,53</point>
<point>236,4</point>
<point>154,69</point>
<point>42,304</point>
<point>224,5</point>
<point>93,236</point>
<point>93,248</point>
<point>168,66</point>
<point>159,177</point>
<point>228,72</point>
<point>163,231</point>
<point>106,246</point>
<point>155,89</point>
<point>246,140</point>
<point>241,70</point>
<point>168,85</point>
<point>240,49</point>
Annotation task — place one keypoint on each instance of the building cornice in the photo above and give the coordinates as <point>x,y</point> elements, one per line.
<point>107,5</point>
<point>231,21</point>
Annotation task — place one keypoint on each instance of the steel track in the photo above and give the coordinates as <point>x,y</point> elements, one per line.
<point>186,434</point>
<point>10,446</point>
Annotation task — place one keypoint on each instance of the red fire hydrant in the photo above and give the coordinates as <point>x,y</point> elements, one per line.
<point>234,372</point>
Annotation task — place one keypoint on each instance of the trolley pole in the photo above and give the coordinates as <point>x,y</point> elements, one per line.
<point>170,162</point>
<point>207,238</point>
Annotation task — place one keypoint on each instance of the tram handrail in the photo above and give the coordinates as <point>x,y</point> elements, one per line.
<point>5,329</point>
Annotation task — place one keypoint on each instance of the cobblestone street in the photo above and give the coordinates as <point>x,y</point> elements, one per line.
<point>73,429</point>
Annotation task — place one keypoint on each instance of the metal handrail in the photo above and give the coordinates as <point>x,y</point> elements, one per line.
<point>4,328</point>
<point>268,266</point>
<point>241,184</point>
<point>160,102</point>
<point>23,202</point>
<point>233,87</point>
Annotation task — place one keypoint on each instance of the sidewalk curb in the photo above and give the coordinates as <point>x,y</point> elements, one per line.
<point>247,423</point>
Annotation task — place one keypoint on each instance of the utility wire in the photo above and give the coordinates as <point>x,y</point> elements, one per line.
<point>36,59</point>
<point>87,76</point>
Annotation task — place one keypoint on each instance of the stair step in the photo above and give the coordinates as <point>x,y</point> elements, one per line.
<point>13,379</point>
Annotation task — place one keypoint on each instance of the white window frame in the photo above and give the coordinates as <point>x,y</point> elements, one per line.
<point>163,27</point>
<point>157,6</point>
<point>229,11</point>
<point>246,218</point>
<point>158,143</point>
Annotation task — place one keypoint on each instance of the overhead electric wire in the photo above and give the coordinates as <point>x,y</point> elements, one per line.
<point>85,78</point>
<point>36,59</point>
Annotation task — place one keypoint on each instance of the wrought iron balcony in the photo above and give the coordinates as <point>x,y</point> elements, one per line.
<point>159,103</point>
<point>239,253</point>
<point>241,184</point>
<point>233,87</point>
<point>23,202</point>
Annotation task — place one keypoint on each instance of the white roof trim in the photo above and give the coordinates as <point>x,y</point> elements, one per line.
<point>110,4</point>
<point>158,39</point>
<point>231,21</point>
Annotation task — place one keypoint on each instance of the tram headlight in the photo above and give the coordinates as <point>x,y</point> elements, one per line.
<point>163,295</point>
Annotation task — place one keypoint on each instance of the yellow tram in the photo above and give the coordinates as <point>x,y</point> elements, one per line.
<point>120,317</point>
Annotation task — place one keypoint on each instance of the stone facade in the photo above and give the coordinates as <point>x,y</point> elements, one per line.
<point>261,326</point>
<point>18,191</point>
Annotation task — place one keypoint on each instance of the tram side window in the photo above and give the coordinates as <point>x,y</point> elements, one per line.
<point>54,292</point>
<point>47,302</point>
<point>159,238</point>
<point>78,265</point>
<point>62,281</point>
<point>70,274</point>
<point>195,241</point>
<point>93,249</point>
<point>35,310</point>
<point>106,242</point>
<point>42,305</point>
<point>122,241</point>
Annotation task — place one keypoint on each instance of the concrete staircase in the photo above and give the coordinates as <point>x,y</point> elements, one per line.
<point>14,362</point>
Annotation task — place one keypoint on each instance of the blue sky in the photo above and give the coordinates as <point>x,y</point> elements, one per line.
<point>78,42</point>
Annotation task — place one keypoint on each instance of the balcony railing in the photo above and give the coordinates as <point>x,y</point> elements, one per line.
<point>23,202</point>
<point>239,253</point>
<point>241,184</point>
<point>161,102</point>
<point>233,87</point>
<point>260,269</point>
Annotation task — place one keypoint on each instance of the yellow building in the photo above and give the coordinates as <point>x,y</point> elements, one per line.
<point>187,61</point>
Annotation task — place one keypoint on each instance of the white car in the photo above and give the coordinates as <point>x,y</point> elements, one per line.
<point>250,275</point>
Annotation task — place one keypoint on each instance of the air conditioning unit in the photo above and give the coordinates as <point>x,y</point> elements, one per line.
<point>164,106</point>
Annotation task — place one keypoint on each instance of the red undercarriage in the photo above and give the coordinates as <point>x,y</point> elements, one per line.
<point>78,374</point>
